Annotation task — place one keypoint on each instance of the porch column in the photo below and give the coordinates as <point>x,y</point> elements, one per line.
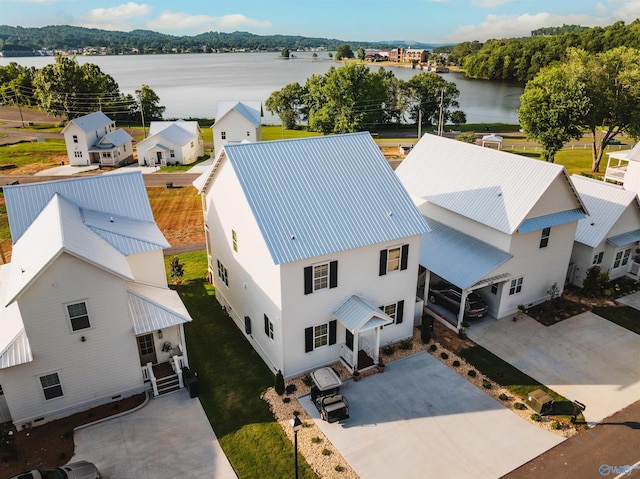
<point>463,301</point>
<point>355,351</point>
<point>376,351</point>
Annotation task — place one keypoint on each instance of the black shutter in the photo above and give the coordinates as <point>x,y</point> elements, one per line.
<point>399,311</point>
<point>383,263</point>
<point>333,274</point>
<point>308,340</point>
<point>404,256</point>
<point>349,340</point>
<point>332,331</point>
<point>308,280</point>
<point>247,324</point>
<point>266,325</point>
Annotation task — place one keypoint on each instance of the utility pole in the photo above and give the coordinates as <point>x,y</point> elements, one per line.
<point>441,115</point>
<point>419,123</point>
<point>144,130</point>
<point>15,93</point>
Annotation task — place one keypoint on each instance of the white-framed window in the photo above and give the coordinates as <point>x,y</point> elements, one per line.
<point>234,240</point>
<point>77,154</point>
<point>393,259</point>
<point>78,316</point>
<point>494,289</point>
<point>222,273</point>
<point>223,135</point>
<point>106,154</point>
<point>515,286</point>
<point>320,335</point>
<point>544,237</point>
<point>320,276</point>
<point>597,258</point>
<point>622,258</point>
<point>268,327</point>
<point>75,138</point>
<point>51,386</point>
<point>172,153</point>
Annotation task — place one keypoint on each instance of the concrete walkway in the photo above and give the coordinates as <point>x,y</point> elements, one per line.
<point>421,419</point>
<point>632,300</point>
<point>170,437</point>
<point>65,170</point>
<point>584,358</point>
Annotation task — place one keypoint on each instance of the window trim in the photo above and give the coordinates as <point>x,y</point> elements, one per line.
<point>310,276</point>
<point>310,336</point>
<point>44,388</point>
<point>621,258</point>
<point>398,312</point>
<point>223,273</point>
<point>544,237</point>
<point>597,259</point>
<point>234,240</point>
<point>223,135</point>
<point>385,260</point>
<point>79,316</point>
<point>515,286</point>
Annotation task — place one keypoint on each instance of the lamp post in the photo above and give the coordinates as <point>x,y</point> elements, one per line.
<point>296,423</point>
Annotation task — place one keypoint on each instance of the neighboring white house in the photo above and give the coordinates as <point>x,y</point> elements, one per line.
<point>313,248</point>
<point>86,312</point>
<point>609,236</point>
<point>502,225</point>
<point>94,139</point>
<point>236,122</point>
<point>624,167</point>
<point>171,143</point>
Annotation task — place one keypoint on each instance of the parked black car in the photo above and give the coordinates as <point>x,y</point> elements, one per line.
<point>75,470</point>
<point>449,297</point>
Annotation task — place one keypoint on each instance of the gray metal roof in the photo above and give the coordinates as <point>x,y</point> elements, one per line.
<point>458,258</point>
<point>17,352</point>
<point>180,132</point>
<point>625,239</point>
<point>493,187</point>
<point>356,314</point>
<point>123,195</point>
<point>112,140</point>
<point>553,219</point>
<point>606,203</point>
<point>251,110</point>
<point>92,121</point>
<point>154,308</point>
<point>320,195</point>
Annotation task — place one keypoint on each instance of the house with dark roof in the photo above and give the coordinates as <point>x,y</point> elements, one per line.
<point>94,139</point>
<point>86,316</point>
<point>503,225</point>
<point>237,122</point>
<point>313,246</point>
<point>171,143</point>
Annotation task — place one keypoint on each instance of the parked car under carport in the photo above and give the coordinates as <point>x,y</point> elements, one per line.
<point>450,297</point>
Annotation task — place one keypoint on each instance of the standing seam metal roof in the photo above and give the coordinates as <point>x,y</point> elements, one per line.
<point>251,110</point>
<point>92,121</point>
<point>356,314</point>
<point>316,196</point>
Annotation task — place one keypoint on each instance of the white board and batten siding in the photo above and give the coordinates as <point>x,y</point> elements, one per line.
<point>92,372</point>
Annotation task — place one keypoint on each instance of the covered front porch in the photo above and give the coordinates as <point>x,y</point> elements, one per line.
<point>362,322</point>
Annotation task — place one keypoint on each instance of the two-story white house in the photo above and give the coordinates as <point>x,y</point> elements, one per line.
<point>86,316</point>
<point>502,225</point>
<point>313,248</point>
<point>237,122</point>
<point>609,236</point>
<point>94,139</point>
<point>171,143</point>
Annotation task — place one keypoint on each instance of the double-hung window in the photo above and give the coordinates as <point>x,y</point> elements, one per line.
<point>268,327</point>
<point>234,240</point>
<point>78,316</point>
<point>222,273</point>
<point>51,386</point>
<point>622,258</point>
<point>393,259</point>
<point>515,286</point>
<point>395,311</point>
<point>320,276</point>
<point>544,237</point>
<point>320,335</point>
<point>597,258</point>
<point>223,135</point>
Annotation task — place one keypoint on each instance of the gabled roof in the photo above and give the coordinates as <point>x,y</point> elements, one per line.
<point>180,132</point>
<point>358,315</point>
<point>154,308</point>
<point>59,229</point>
<point>90,122</point>
<point>121,195</point>
<point>492,187</point>
<point>112,140</point>
<point>320,195</point>
<point>606,203</point>
<point>630,155</point>
<point>251,110</point>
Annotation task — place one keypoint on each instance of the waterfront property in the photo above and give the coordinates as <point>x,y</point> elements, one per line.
<point>86,315</point>
<point>236,122</point>
<point>171,143</point>
<point>607,238</point>
<point>94,139</point>
<point>502,225</point>
<point>311,265</point>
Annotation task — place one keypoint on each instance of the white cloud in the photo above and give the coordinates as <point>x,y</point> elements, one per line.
<point>37,1</point>
<point>628,10</point>
<point>489,3</point>
<point>202,23</point>
<point>510,26</point>
<point>117,14</point>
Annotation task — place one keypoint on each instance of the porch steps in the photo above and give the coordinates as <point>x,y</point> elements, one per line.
<point>168,384</point>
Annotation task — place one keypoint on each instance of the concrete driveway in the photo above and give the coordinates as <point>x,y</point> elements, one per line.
<point>421,419</point>
<point>584,358</point>
<point>170,437</point>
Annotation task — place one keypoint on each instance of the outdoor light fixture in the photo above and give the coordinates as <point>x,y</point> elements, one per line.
<point>159,334</point>
<point>296,424</point>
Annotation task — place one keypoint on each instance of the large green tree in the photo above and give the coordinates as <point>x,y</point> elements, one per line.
<point>430,93</point>
<point>149,101</point>
<point>287,103</point>
<point>344,51</point>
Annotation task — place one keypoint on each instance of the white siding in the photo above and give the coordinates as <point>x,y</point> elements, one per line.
<point>105,365</point>
<point>236,128</point>
<point>148,268</point>
<point>84,140</point>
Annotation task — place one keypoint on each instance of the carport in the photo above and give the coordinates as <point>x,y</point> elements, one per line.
<point>462,260</point>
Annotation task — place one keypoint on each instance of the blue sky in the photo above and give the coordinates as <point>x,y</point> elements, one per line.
<point>438,21</point>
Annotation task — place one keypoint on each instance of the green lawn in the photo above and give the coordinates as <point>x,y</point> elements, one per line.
<point>29,153</point>
<point>519,383</point>
<point>231,377</point>
<point>275,132</point>
<point>624,316</point>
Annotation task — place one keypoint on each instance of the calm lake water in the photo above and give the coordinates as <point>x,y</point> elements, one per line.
<point>191,85</point>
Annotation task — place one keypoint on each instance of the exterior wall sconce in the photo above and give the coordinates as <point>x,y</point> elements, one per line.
<point>159,334</point>
<point>83,339</point>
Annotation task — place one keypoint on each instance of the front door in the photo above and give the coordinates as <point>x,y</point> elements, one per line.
<point>147,349</point>
<point>158,157</point>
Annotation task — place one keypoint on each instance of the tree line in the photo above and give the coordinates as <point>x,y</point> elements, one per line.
<point>68,89</point>
<point>354,97</point>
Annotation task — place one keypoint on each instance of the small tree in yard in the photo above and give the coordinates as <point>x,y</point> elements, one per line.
<point>595,282</point>
<point>176,269</point>
<point>467,137</point>
<point>425,331</point>
<point>279,383</point>
<point>552,293</point>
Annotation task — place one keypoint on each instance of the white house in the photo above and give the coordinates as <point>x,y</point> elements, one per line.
<point>609,236</point>
<point>236,122</point>
<point>94,139</point>
<point>171,143</point>
<point>502,225</point>
<point>313,248</point>
<point>623,167</point>
<point>86,315</point>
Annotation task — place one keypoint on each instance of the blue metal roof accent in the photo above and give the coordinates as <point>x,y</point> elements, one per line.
<point>320,195</point>
<point>624,238</point>
<point>356,314</point>
<point>548,221</point>
<point>458,258</point>
<point>123,195</point>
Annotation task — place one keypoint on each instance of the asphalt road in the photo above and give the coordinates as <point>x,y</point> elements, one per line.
<point>155,179</point>
<point>594,453</point>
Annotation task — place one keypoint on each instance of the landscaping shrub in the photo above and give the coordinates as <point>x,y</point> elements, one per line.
<point>279,383</point>
<point>315,439</point>
<point>339,468</point>
<point>286,400</point>
<point>444,355</point>
<point>307,380</point>
<point>326,452</point>
<point>486,384</point>
<point>433,347</point>
<point>595,282</point>
<point>472,373</point>
<point>519,406</point>
<point>406,344</point>
<point>456,364</point>
<point>388,350</point>
<point>536,417</point>
<point>425,331</point>
<point>503,397</point>
<point>555,425</point>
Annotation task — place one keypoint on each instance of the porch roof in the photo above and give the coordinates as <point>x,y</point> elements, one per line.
<point>548,221</point>
<point>457,257</point>
<point>357,315</point>
<point>154,308</point>
<point>624,238</point>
